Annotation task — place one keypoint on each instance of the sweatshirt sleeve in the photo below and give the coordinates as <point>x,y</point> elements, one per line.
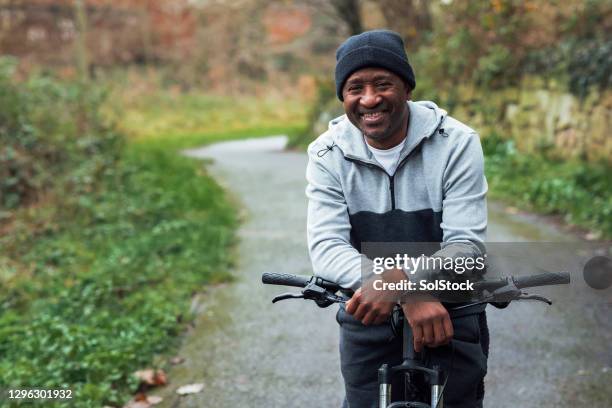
<point>464,205</point>
<point>329,227</point>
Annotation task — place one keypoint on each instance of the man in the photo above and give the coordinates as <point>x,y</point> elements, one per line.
<point>393,170</point>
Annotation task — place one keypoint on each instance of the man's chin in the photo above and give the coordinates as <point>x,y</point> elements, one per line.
<point>377,136</point>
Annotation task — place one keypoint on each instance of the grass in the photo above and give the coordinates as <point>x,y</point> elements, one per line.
<point>577,191</point>
<point>184,120</point>
<point>106,291</point>
<point>97,285</point>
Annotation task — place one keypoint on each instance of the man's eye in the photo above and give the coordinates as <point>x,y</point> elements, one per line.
<point>354,88</point>
<point>383,85</point>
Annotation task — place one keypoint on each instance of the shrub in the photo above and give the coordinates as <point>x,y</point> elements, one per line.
<point>578,191</point>
<point>51,135</point>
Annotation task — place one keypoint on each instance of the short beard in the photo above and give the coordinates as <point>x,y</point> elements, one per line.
<point>379,136</point>
<point>387,133</point>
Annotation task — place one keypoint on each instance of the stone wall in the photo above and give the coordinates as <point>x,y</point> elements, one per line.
<point>541,118</point>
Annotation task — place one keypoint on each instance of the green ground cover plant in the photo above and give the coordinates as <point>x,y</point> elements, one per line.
<point>110,283</point>
<point>577,191</point>
<point>99,261</point>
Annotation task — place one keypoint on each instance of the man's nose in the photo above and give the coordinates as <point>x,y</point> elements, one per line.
<point>370,97</point>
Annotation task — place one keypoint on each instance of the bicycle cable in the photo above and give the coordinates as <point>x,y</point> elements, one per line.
<point>449,374</point>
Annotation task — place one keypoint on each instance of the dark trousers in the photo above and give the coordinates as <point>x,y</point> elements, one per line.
<point>363,349</point>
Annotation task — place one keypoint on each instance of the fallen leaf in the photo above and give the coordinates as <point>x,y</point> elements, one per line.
<point>151,377</point>
<point>141,400</point>
<point>137,404</point>
<point>512,210</point>
<point>154,399</point>
<point>190,389</point>
<point>592,236</point>
<point>160,378</point>
<point>146,376</point>
<point>140,397</point>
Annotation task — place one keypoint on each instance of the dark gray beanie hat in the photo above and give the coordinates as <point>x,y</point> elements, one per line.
<point>376,48</point>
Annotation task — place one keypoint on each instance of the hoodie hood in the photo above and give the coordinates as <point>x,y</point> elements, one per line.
<point>425,118</point>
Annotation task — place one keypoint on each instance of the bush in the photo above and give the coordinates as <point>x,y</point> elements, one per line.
<point>581,64</point>
<point>495,43</point>
<point>590,66</point>
<point>51,135</point>
<point>578,191</point>
<point>324,108</point>
<point>492,68</point>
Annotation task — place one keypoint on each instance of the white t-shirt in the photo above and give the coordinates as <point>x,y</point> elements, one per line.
<point>388,158</point>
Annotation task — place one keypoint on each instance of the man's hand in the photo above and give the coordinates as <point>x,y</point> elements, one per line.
<point>368,310</point>
<point>430,323</point>
<point>374,306</point>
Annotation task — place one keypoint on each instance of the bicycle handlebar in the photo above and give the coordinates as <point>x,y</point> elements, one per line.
<point>285,279</point>
<point>543,279</point>
<point>522,282</point>
<point>299,281</point>
<point>498,290</point>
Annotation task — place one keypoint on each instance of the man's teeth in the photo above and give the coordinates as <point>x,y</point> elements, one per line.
<point>371,115</point>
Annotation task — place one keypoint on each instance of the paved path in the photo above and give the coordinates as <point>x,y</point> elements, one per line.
<point>249,353</point>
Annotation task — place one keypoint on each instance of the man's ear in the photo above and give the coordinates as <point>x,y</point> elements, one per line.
<point>408,90</point>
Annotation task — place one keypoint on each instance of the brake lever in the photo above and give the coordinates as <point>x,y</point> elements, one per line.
<point>322,297</point>
<point>505,294</point>
<point>328,299</point>
<point>285,296</point>
<point>526,296</point>
<point>509,294</point>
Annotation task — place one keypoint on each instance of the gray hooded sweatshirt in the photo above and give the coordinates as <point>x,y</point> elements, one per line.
<point>437,194</point>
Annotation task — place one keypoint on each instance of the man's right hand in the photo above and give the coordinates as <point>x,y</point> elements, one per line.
<point>431,325</point>
<point>372,306</point>
<point>368,311</point>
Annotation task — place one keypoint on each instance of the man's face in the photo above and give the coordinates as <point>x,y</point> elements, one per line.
<point>375,102</point>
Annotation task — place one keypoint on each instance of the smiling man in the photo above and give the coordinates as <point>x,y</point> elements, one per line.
<point>394,170</point>
<point>375,102</point>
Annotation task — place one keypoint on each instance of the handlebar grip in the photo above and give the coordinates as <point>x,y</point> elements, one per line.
<point>285,279</point>
<point>543,279</point>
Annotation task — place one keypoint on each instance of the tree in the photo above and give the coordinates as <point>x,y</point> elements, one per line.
<point>349,11</point>
<point>410,18</point>
<point>82,57</point>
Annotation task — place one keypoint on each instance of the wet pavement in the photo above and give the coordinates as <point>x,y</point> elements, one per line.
<point>250,353</point>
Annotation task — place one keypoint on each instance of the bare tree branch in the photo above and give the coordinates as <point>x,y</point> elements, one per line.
<point>349,11</point>
<point>411,18</point>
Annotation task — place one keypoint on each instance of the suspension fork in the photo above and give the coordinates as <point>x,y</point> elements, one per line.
<point>411,363</point>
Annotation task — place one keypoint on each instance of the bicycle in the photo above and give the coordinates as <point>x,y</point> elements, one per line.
<point>501,291</point>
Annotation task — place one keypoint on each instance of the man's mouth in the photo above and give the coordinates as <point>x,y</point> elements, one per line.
<point>372,117</point>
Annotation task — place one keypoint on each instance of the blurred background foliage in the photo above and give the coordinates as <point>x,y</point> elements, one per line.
<point>51,133</point>
<point>106,233</point>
